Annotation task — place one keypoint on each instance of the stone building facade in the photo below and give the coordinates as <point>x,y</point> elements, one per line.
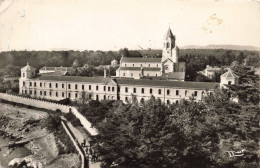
<point>105,88</point>
<point>168,65</point>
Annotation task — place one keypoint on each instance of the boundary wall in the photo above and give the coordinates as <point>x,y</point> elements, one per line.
<point>51,106</point>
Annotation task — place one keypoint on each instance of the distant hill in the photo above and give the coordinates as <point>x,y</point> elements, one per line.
<point>227,47</point>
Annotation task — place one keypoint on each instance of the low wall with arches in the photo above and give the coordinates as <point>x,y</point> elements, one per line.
<point>50,106</point>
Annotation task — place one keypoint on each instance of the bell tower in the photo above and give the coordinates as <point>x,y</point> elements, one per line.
<point>168,45</point>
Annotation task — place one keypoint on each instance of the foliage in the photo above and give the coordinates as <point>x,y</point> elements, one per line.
<point>247,90</point>
<point>9,87</point>
<point>74,120</point>
<point>12,71</point>
<point>190,134</point>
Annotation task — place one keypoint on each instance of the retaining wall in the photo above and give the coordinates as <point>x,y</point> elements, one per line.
<point>50,106</point>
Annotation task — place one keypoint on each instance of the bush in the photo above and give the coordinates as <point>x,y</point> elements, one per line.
<point>74,121</point>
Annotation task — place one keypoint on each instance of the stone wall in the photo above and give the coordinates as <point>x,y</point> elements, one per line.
<point>50,106</point>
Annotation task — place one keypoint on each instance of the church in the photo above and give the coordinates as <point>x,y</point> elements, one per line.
<point>168,67</point>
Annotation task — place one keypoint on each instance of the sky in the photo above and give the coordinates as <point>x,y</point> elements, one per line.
<point>115,24</point>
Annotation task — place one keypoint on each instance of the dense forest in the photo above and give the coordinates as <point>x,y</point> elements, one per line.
<point>196,59</point>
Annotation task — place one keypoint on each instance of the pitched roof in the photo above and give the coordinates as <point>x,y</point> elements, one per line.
<point>169,34</point>
<point>139,68</point>
<point>75,79</point>
<point>144,60</point>
<point>56,73</point>
<point>175,75</point>
<point>27,67</point>
<point>230,74</point>
<point>175,84</point>
<point>56,68</point>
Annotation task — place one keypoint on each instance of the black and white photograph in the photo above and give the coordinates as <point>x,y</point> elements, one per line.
<point>129,83</point>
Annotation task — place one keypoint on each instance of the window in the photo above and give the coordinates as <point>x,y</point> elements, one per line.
<point>104,97</point>
<point>210,93</point>
<point>147,74</point>
<point>229,82</point>
<point>69,86</point>
<point>133,65</point>
<point>142,100</point>
<point>62,94</point>
<point>30,92</point>
<point>90,96</point>
<point>82,87</point>
<point>57,94</point>
<point>56,85</point>
<point>23,74</point>
<point>143,90</point>
<point>89,87</point>
<point>23,83</point>
<point>35,84</point>
<point>123,74</point>
<point>22,91</point>
<point>168,92</point>
<point>96,87</point>
<point>155,74</point>
<point>151,91</point>
<point>113,89</point>
<point>177,92</point>
<point>125,65</point>
<point>167,45</point>
<point>149,65</point>
<point>25,91</point>
<point>97,97</point>
<point>177,102</point>
<point>44,93</point>
<point>35,93</point>
<point>157,65</point>
<point>126,99</point>
<point>40,84</point>
<point>62,85</point>
<point>195,93</point>
<point>168,101</point>
<point>108,88</point>
<point>131,74</point>
<point>69,95</point>
<point>112,98</point>
<point>202,93</point>
<point>30,83</point>
<point>49,85</point>
<point>159,91</point>
<point>186,92</point>
<point>50,93</point>
<point>126,90</point>
<point>104,88</point>
<point>40,92</point>
<point>76,95</point>
<point>43,84</point>
<point>76,86</point>
<point>134,90</point>
<point>141,65</point>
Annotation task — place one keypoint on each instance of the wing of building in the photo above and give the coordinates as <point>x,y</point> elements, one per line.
<point>167,66</point>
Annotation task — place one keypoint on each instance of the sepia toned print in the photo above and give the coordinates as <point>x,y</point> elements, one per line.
<point>129,84</point>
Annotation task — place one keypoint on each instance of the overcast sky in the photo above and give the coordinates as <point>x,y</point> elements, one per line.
<point>115,24</point>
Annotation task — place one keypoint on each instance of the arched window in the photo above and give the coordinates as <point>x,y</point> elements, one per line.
<point>96,87</point>
<point>49,85</point>
<point>149,65</point>
<point>108,88</point>
<point>133,65</point>
<point>104,97</point>
<point>159,91</point>
<point>229,82</point>
<point>177,92</point>
<point>76,95</point>
<point>69,95</point>
<point>151,91</point>
<point>142,90</point>
<point>34,84</point>
<point>126,99</point>
<point>82,87</point>
<point>126,89</point>
<point>195,93</point>
<point>76,86</point>
<point>97,97</point>
<point>113,89</point>
<point>177,102</point>
<point>168,101</point>
<point>56,85</point>
<point>69,86</point>
<point>142,100</point>
<point>186,92</point>
<point>89,87</point>
<point>134,90</point>
<point>168,92</point>
<point>57,94</point>
<point>168,45</point>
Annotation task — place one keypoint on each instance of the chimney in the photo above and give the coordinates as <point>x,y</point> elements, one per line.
<point>105,73</point>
